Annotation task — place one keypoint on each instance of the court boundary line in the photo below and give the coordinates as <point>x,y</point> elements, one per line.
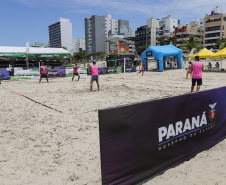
<point>32,100</point>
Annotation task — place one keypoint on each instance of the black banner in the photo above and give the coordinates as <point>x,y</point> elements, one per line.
<point>142,140</point>
<point>149,53</point>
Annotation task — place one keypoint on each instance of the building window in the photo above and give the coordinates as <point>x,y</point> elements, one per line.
<point>213,20</point>
<point>213,28</point>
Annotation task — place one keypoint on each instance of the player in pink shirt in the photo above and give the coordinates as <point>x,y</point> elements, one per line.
<point>43,72</point>
<point>94,77</point>
<point>196,70</point>
<point>142,70</point>
<point>189,69</point>
<point>75,72</point>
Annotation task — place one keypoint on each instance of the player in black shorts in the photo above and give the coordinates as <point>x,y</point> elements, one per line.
<point>75,72</point>
<point>43,71</point>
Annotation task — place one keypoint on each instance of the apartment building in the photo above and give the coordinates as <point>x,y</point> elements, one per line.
<point>142,36</point>
<point>146,35</point>
<point>122,23</point>
<point>79,45</point>
<point>95,34</point>
<point>214,27</point>
<point>98,29</point>
<point>167,27</point>
<point>153,24</point>
<point>60,34</point>
<point>184,32</point>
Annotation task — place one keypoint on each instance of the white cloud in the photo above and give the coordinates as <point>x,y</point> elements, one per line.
<point>80,11</point>
<point>179,9</point>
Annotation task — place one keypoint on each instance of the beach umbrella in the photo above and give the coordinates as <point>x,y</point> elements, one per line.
<point>204,53</point>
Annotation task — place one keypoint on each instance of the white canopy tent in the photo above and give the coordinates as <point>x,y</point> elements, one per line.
<point>32,50</point>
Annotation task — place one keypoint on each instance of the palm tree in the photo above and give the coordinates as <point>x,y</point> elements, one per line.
<point>141,49</point>
<point>162,41</point>
<point>223,45</point>
<point>172,40</point>
<point>191,43</point>
<point>220,42</point>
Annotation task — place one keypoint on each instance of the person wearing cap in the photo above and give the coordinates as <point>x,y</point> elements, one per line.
<point>94,77</point>
<point>196,70</point>
<point>43,71</point>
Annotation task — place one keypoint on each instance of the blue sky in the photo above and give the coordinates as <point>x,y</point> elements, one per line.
<point>28,20</point>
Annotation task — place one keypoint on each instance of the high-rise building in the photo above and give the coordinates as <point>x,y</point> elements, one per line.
<point>98,29</point>
<point>79,45</point>
<point>127,32</point>
<point>214,26</point>
<point>153,24</point>
<point>184,32</point>
<point>60,34</point>
<point>202,21</point>
<point>142,36</point>
<point>95,34</point>
<point>167,27</point>
<point>122,23</point>
<point>146,35</point>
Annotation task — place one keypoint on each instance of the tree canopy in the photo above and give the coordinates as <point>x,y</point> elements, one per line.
<point>141,49</point>
<point>83,56</point>
<point>64,47</point>
<point>80,56</point>
<point>162,41</point>
<point>191,43</point>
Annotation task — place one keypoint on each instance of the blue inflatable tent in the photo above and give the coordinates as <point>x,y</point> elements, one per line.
<point>160,53</point>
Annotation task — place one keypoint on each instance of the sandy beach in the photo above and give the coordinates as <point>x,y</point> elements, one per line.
<point>42,146</point>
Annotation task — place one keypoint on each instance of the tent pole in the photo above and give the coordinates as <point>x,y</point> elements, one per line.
<point>124,68</point>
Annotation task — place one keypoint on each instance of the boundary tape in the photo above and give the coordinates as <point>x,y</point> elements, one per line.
<point>32,100</point>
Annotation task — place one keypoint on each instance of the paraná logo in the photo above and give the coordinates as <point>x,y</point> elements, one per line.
<point>212,111</point>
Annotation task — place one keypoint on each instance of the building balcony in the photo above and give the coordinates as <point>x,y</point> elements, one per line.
<point>180,33</point>
<point>140,36</point>
<point>210,44</point>
<point>215,31</point>
<point>160,31</point>
<point>159,35</point>
<point>166,28</point>
<point>180,39</point>
<point>189,33</point>
<point>166,34</point>
<point>212,38</point>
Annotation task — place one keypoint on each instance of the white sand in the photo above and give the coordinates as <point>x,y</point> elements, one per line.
<point>41,146</point>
